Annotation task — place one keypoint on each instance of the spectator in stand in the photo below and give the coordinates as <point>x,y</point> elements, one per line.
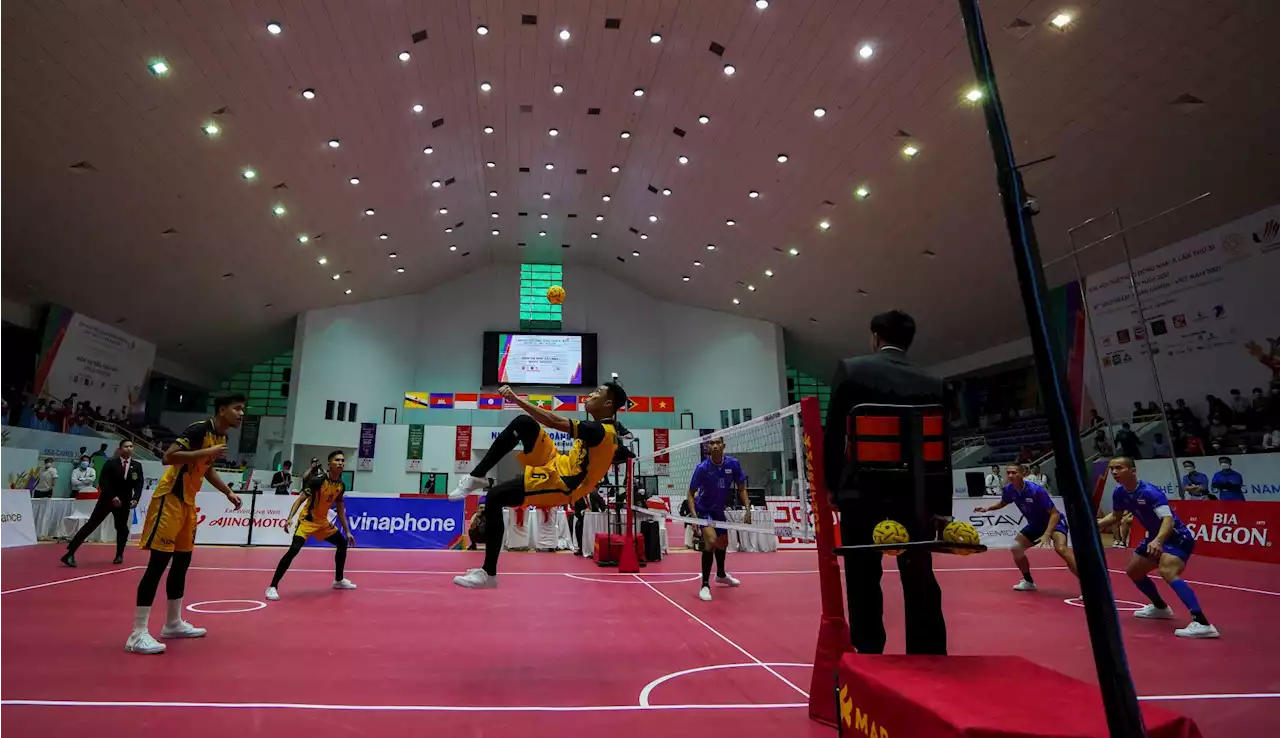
<point>1270,439</point>
<point>1219,408</point>
<point>1184,414</point>
<point>993,480</point>
<point>1139,412</point>
<point>312,472</point>
<point>1038,477</point>
<point>1128,442</point>
<point>1228,484</point>
<point>1153,410</point>
<point>1194,446</point>
<point>1194,483</point>
<point>1258,407</point>
<point>83,477</point>
<point>111,416</point>
<point>97,413</point>
<point>71,400</point>
<point>1025,456</point>
<point>1159,448</point>
<point>283,478</point>
<point>102,451</point>
<point>1095,419</point>
<point>45,480</point>
<point>1240,406</point>
<point>1101,446</point>
<point>1218,428</point>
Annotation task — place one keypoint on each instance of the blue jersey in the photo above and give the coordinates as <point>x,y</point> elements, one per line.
<point>1033,502</point>
<point>1143,502</point>
<point>712,483</point>
<point>1229,485</point>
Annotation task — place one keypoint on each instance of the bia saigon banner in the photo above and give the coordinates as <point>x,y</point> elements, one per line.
<point>93,360</point>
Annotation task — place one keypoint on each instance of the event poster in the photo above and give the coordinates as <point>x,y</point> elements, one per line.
<point>539,359</point>
<point>413,456</point>
<point>462,450</point>
<point>661,462</point>
<point>250,428</point>
<point>94,361</point>
<point>368,441</point>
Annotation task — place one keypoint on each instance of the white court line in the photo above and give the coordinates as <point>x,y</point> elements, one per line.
<point>648,688</point>
<point>687,578</point>
<point>455,572</point>
<point>1212,584</point>
<point>723,637</point>
<point>73,579</point>
<point>403,708</point>
<point>1242,696</point>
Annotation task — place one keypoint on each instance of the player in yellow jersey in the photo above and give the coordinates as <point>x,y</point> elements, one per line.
<point>550,479</point>
<point>318,495</point>
<point>169,532</point>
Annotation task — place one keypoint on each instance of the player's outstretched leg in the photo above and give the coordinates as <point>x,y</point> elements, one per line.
<point>140,640</point>
<point>522,430</point>
<point>1137,570</point>
<point>504,494</point>
<point>339,542</point>
<point>175,586</point>
<point>1020,545</point>
<point>1171,566</point>
<point>1059,539</point>
<point>273,592</point>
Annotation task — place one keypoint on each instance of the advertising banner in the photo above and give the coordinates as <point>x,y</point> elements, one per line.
<point>995,529</point>
<point>17,522</point>
<point>368,441</point>
<point>662,462</point>
<point>217,521</point>
<point>269,514</point>
<point>405,522</point>
<point>1228,530</point>
<point>95,361</point>
<point>413,456</point>
<point>462,449</point>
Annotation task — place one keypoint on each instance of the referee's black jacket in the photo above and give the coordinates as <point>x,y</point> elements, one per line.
<point>119,482</point>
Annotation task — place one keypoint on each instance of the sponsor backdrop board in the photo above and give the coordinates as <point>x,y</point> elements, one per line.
<point>404,522</point>
<point>17,522</point>
<point>1229,530</point>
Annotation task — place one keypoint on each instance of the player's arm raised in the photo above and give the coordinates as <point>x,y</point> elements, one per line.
<point>543,416</point>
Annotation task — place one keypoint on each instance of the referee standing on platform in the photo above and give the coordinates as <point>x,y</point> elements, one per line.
<point>119,489</point>
<point>882,377</point>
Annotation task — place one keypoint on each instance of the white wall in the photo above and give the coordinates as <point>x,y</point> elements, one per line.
<point>270,437</point>
<point>372,353</point>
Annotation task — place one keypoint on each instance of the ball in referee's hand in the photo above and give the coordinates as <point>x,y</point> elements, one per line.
<point>959,531</point>
<point>555,294</point>
<point>890,531</point>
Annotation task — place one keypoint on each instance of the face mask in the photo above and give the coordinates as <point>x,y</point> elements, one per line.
<point>84,465</point>
<point>1187,470</point>
<point>1226,466</point>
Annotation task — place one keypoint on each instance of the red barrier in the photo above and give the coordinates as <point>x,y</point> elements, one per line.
<point>1228,530</point>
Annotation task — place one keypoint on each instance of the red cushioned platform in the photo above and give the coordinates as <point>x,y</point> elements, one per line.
<point>976,697</point>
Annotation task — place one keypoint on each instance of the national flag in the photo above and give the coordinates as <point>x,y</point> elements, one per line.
<point>638,404</point>
<point>582,401</point>
<point>663,404</point>
<point>466,401</point>
<point>414,400</point>
<point>442,400</point>
<point>543,401</point>
<point>490,402</point>
<point>510,404</point>
<point>566,402</point>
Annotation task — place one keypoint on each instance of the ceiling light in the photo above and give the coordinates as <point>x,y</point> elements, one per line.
<point>819,112</point>
<point>453,248</point>
<point>391,255</point>
<point>443,211</point>
<point>159,67</point>
<point>383,236</point>
<point>274,28</point>
<point>753,194</point>
<point>703,119</point>
<point>736,301</point>
<point>626,134</point>
<point>557,89</point>
<point>635,253</point>
<point>862,192</point>
<point>824,225</point>
<point>404,56</point>
<point>322,261</point>
<point>485,87</point>
<point>488,129</point>
<point>428,150</point>
<point>417,107</point>
<point>482,30</point>
<point>683,159</point>
<point>354,180</point>
<point>768,272</point>
<point>309,94</point>
<point>729,69</point>
<point>435,183</point>
<point>278,210</point>
<point>490,164</point>
<point>211,129</point>
<point>866,51</point>
<point>655,38</point>
<point>493,215</point>
<point>549,166</point>
<point>615,169</point>
<point>685,278</point>
<point>347,291</point>
<point>731,222</point>
<point>334,143</point>
<point>336,277</point>
<point>595,235</point>
<point>782,158</point>
<point>599,218</point>
<point>697,263</point>
<point>553,132</point>
<point>546,196</point>
<point>762,4</point>
<point>1061,20</point>
<point>368,211</point>
<point>303,238</point>
<point>400,270</point>
<point>544,216</point>
<point>449,230</point>
<point>711,247</point>
<point>793,251</point>
<point>638,92</point>
<point>751,288</point>
<point>606,198</point>
<point>494,231</point>
<point>249,174</point>
<point>644,236</point>
<point>564,34</point>
<point>666,191</point>
<point>542,233</point>
<point>493,193</point>
<point>910,151</point>
<point>653,219</point>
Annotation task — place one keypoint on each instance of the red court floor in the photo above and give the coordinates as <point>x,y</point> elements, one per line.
<point>561,648</point>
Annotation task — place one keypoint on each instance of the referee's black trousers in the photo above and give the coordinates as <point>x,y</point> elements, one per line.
<point>926,629</point>
<point>101,512</point>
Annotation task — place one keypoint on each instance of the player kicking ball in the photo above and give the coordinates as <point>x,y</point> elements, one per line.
<point>551,479</point>
<point>319,494</point>
<point>1044,522</point>
<point>1167,547</point>
<point>708,495</point>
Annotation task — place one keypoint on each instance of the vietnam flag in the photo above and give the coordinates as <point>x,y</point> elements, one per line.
<point>663,404</point>
<point>466,401</point>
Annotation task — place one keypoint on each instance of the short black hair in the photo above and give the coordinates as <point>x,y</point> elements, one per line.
<point>287,463</point>
<point>895,328</point>
<point>335,452</point>
<point>1127,461</point>
<point>617,395</point>
<point>1227,459</point>
<point>228,399</point>
<point>123,441</point>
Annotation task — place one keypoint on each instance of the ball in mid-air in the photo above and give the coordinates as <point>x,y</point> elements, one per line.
<point>555,294</point>
<point>890,531</point>
<point>959,531</point>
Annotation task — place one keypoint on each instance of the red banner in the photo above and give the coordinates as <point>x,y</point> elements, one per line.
<point>1228,530</point>
<point>462,449</point>
<point>661,440</point>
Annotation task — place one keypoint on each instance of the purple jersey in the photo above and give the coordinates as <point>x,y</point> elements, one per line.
<point>1033,502</point>
<point>1142,502</point>
<point>712,483</point>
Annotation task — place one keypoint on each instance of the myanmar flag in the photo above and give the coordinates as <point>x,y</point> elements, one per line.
<point>543,401</point>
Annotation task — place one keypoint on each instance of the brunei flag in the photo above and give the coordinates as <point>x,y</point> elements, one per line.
<point>416,400</point>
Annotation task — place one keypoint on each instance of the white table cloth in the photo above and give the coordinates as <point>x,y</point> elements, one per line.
<point>53,519</point>
<point>543,530</point>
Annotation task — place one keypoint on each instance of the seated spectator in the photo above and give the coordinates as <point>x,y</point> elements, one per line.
<point>1228,484</point>
<point>1218,428</point>
<point>1194,446</point>
<point>1194,483</point>
<point>1101,446</point>
<point>1128,442</point>
<point>1024,455</point>
<point>1219,408</point>
<point>1153,410</point>
<point>1239,406</point>
<point>1139,412</point>
<point>1184,413</point>
<point>1160,449</point>
<point>1096,420</point>
<point>83,477</point>
<point>1270,439</point>
<point>111,416</point>
<point>1258,406</point>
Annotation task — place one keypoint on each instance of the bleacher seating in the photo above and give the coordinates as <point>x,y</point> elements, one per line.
<point>1008,440</point>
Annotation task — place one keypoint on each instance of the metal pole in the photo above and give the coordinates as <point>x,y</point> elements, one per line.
<point>1118,696</point>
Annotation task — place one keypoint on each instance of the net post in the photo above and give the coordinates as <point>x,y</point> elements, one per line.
<point>833,630</point>
<point>1120,702</point>
<point>628,562</point>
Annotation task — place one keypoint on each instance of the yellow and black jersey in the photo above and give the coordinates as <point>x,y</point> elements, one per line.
<point>184,480</point>
<point>591,456</point>
<point>321,494</point>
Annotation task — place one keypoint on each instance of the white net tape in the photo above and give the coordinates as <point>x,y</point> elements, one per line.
<point>770,450</point>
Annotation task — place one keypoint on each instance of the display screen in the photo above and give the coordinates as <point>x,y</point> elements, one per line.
<point>547,359</point>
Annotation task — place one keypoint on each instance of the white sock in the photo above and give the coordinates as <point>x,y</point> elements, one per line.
<point>175,612</point>
<point>140,617</point>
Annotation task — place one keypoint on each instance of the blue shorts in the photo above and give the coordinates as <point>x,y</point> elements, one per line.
<point>710,515</point>
<point>1034,534</point>
<point>1176,545</point>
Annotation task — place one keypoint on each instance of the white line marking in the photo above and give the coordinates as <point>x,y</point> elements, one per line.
<point>723,637</point>
<point>598,574</point>
<point>73,579</point>
<point>648,688</point>
<point>1242,696</point>
<point>690,578</point>
<point>402,708</point>
<point>1212,584</point>
<point>195,606</point>
<point>1079,602</point>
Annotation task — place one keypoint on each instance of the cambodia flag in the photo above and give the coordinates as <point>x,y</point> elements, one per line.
<point>442,400</point>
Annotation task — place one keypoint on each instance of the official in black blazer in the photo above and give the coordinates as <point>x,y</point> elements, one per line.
<point>119,489</point>
<point>884,377</point>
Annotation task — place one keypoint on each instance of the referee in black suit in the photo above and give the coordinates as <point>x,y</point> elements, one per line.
<point>119,489</point>
<point>882,377</point>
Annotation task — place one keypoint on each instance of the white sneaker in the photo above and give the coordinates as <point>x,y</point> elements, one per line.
<point>273,594</point>
<point>1024,586</point>
<point>143,643</point>
<point>704,594</point>
<point>1151,612</point>
<point>476,579</point>
<point>466,485</point>
<point>343,583</point>
<point>728,581</point>
<point>182,629</point>
<point>1197,630</point>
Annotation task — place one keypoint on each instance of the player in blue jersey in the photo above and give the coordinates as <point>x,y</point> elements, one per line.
<point>1044,522</point>
<point>708,494</point>
<point>1167,547</point>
